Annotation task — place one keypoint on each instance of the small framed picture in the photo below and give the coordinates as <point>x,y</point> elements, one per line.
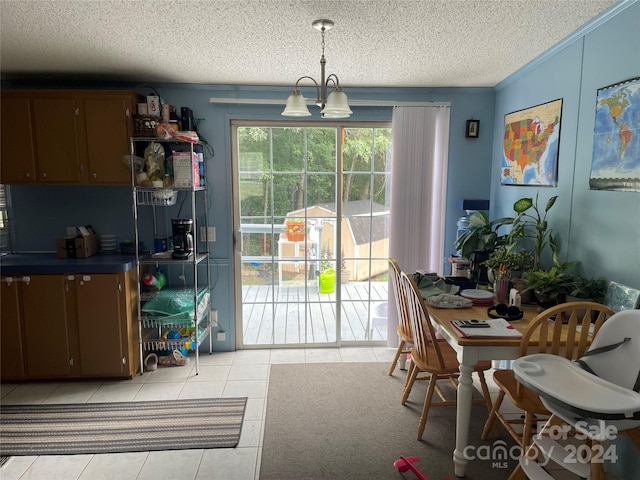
<point>473,129</point>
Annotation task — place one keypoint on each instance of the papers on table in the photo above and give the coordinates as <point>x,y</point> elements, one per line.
<point>497,327</point>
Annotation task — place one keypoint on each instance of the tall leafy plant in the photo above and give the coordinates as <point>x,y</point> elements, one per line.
<point>530,215</point>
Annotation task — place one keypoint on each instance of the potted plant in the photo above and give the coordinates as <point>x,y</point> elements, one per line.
<point>552,285</point>
<point>506,259</point>
<point>345,273</point>
<point>295,229</point>
<point>583,288</point>
<point>327,273</point>
<point>482,234</point>
<point>479,239</point>
<point>541,234</point>
<point>505,264</point>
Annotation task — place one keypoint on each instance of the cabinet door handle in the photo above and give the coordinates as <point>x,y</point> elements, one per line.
<point>71,361</point>
<point>77,112</point>
<point>28,175</point>
<point>44,174</point>
<point>124,360</point>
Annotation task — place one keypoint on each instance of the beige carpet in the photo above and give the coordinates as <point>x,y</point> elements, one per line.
<point>345,421</point>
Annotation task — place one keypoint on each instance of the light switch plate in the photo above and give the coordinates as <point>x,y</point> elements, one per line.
<point>208,234</point>
<point>222,336</point>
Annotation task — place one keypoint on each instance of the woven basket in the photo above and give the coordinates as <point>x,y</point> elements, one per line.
<point>145,125</point>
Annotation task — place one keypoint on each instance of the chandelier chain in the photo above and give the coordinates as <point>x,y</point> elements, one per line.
<point>322,33</point>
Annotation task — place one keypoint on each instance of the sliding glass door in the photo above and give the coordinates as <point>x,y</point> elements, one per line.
<point>311,244</point>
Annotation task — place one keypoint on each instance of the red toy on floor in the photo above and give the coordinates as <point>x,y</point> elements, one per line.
<point>404,464</point>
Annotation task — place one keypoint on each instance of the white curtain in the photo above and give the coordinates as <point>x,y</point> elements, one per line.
<point>418,192</point>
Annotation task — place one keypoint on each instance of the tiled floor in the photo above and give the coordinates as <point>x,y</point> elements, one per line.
<point>231,374</point>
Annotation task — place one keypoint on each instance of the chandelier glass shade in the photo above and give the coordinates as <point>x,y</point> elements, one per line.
<point>336,105</point>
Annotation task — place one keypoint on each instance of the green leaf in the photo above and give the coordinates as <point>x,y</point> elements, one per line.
<point>523,205</point>
<point>550,203</point>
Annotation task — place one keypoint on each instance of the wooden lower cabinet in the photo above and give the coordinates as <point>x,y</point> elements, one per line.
<point>45,327</point>
<point>11,353</point>
<point>70,326</point>
<point>106,326</point>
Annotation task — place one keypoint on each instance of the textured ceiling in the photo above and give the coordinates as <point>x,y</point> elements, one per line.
<point>375,43</point>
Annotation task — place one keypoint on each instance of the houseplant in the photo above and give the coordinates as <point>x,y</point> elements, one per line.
<point>509,260</point>
<point>552,285</point>
<point>345,273</point>
<point>327,273</point>
<point>523,222</point>
<point>479,239</point>
<point>583,288</point>
<point>482,234</point>
<point>505,264</point>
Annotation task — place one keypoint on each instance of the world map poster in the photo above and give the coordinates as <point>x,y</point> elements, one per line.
<point>531,145</point>
<point>615,164</point>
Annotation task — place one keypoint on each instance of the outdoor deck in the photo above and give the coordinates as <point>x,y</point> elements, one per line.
<point>279,315</point>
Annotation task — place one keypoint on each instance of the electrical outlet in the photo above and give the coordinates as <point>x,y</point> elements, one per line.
<point>214,318</point>
<point>222,336</point>
<point>208,234</point>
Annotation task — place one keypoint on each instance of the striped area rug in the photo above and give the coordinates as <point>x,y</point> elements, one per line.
<point>67,429</point>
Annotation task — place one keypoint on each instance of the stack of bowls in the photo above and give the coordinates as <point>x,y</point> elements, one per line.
<point>108,243</point>
<point>480,298</point>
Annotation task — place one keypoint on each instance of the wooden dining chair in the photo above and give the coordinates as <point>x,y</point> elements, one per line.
<point>436,358</point>
<point>404,327</point>
<point>565,329</point>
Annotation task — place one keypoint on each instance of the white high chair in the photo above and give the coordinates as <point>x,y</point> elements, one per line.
<point>597,396</point>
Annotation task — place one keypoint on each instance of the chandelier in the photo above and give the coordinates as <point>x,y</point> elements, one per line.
<point>335,105</point>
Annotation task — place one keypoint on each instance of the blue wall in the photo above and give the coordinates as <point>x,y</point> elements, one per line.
<point>43,212</point>
<point>600,229</point>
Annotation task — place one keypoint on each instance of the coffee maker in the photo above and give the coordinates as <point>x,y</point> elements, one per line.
<point>182,237</point>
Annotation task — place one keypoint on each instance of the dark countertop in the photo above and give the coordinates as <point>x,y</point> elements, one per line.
<point>49,263</point>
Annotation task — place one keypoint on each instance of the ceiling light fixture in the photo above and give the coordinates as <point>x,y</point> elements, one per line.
<point>334,106</point>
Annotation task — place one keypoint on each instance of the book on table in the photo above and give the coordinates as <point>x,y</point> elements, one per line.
<point>489,328</point>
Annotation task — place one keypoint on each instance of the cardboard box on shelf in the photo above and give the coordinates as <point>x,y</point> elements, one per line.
<point>185,169</point>
<point>77,247</point>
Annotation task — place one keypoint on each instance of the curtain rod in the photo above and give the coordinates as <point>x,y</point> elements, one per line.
<point>353,102</point>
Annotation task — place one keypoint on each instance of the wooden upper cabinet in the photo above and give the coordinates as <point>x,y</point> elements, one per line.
<point>18,164</point>
<point>108,123</point>
<point>56,133</point>
<point>66,136</point>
